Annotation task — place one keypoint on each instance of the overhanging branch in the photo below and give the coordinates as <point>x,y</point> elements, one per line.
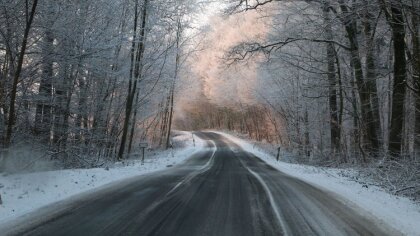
<point>245,50</point>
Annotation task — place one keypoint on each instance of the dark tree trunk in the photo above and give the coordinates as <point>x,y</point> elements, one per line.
<point>136,57</point>
<point>367,119</point>
<point>371,74</point>
<point>171,111</point>
<point>335,128</point>
<point>400,79</point>
<point>133,125</point>
<point>415,18</point>
<point>12,110</point>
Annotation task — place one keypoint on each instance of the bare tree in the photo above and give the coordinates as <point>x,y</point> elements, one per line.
<point>30,11</point>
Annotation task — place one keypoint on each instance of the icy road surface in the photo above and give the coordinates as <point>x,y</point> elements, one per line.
<point>222,190</point>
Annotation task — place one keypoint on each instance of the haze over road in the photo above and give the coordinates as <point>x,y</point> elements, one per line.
<point>222,190</point>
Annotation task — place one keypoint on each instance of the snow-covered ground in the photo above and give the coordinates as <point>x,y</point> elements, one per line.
<point>23,193</point>
<point>401,213</point>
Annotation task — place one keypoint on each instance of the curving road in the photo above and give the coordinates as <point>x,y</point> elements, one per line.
<point>222,190</point>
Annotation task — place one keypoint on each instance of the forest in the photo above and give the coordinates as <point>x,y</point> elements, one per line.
<point>80,80</point>
<point>338,78</point>
<point>337,83</point>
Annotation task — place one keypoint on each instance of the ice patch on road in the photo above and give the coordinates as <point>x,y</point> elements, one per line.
<point>24,193</point>
<point>399,212</point>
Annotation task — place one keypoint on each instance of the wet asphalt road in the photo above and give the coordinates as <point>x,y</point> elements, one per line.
<point>222,190</point>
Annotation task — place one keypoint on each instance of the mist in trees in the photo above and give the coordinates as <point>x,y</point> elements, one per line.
<point>333,83</point>
<point>345,73</point>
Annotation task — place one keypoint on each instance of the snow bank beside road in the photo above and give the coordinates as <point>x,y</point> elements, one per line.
<point>23,193</point>
<point>400,213</point>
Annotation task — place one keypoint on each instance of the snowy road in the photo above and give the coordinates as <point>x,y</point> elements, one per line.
<point>220,191</point>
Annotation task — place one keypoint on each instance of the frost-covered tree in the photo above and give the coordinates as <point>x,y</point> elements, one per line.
<point>349,59</point>
<point>84,80</point>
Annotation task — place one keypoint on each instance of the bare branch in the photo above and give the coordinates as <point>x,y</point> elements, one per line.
<point>246,50</point>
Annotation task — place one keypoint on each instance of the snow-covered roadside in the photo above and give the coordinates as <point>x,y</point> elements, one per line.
<point>23,193</point>
<point>401,213</point>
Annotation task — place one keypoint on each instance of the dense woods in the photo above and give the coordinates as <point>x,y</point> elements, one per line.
<point>121,101</point>
<point>338,82</point>
<point>85,81</point>
<point>346,73</point>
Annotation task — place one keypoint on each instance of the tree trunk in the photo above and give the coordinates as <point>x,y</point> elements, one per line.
<point>136,57</point>
<point>335,129</point>
<point>172,93</point>
<point>43,113</point>
<point>415,18</point>
<point>367,119</point>
<point>400,79</point>
<point>11,121</point>
<point>63,92</point>
<point>171,111</point>
<point>133,125</point>
<point>371,75</point>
